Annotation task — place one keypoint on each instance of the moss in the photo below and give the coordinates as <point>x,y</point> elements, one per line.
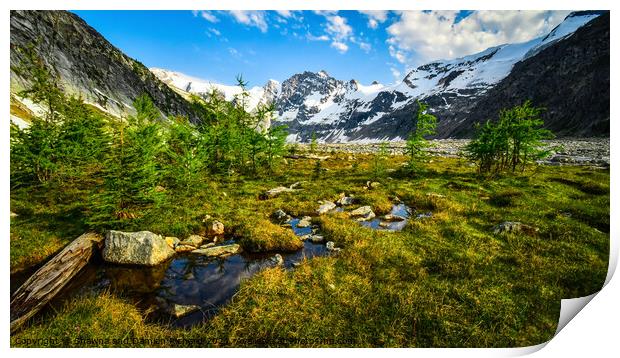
<point>262,236</point>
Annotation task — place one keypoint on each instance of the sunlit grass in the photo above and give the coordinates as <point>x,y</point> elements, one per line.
<point>443,281</point>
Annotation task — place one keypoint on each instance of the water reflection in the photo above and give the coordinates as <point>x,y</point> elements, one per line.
<point>398,210</point>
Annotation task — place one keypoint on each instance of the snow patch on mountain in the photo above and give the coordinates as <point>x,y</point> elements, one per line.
<point>190,84</point>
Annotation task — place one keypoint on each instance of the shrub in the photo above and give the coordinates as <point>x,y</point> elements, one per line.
<point>510,143</point>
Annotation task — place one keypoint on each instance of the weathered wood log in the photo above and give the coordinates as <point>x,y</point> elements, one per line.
<point>47,281</point>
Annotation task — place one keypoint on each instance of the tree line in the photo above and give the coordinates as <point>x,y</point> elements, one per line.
<point>131,164</point>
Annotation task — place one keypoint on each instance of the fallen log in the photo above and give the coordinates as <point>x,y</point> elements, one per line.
<point>47,281</point>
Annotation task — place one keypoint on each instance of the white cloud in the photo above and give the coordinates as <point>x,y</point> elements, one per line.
<point>233,52</point>
<point>375,17</point>
<point>207,15</point>
<point>435,35</point>
<point>340,46</point>
<point>213,31</point>
<point>255,18</point>
<point>325,12</point>
<point>311,37</point>
<point>395,73</point>
<point>338,28</point>
<point>285,13</point>
<point>365,46</point>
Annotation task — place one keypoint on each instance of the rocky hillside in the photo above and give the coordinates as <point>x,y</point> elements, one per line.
<point>87,64</point>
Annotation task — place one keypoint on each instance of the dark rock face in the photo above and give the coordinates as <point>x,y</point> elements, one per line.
<point>570,79</point>
<point>88,65</point>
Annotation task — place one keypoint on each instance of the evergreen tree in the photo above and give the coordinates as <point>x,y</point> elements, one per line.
<point>313,144</point>
<point>131,171</point>
<point>510,143</point>
<point>379,162</point>
<point>275,140</point>
<point>423,126</point>
<point>185,156</point>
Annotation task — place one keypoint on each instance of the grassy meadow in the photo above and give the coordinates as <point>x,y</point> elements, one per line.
<point>443,281</point>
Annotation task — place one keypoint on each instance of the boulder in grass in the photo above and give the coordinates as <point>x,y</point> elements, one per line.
<point>513,227</point>
<point>136,248</point>
<point>215,228</point>
<point>326,207</point>
<point>280,216</point>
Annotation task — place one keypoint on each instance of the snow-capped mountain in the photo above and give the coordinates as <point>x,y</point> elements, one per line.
<point>341,111</point>
<point>187,84</point>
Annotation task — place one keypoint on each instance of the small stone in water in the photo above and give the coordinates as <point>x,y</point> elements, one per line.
<point>277,260</point>
<point>304,222</point>
<point>317,238</point>
<point>184,248</point>
<point>392,217</point>
<point>182,310</point>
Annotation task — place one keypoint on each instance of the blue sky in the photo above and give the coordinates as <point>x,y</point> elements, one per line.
<point>260,45</point>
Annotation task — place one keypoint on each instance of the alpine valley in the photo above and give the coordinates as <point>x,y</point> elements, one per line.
<point>566,71</point>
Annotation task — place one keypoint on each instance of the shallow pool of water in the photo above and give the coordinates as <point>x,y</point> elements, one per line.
<point>401,210</point>
<point>188,279</point>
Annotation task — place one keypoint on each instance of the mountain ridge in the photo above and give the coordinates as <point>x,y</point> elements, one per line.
<point>343,111</point>
<point>460,92</point>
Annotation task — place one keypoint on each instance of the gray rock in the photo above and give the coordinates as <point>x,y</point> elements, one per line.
<point>136,248</point>
<point>326,207</point>
<point>363,213</point>
<point>317,239</point>
<point>184,248</point>
<point>272,193</point>
<point>513,227</point>
<point>345,200</point>
<point>392,218</point>
<point>277,260</point>
<point>306,221</point>
<point>280,216</point>
<point>423,216</point>
<point>215,228</point>
<point>223,250</point>
<point>193,240</point>
<point>179,311</point>
<point>331,246</point>
<point>172,241</point>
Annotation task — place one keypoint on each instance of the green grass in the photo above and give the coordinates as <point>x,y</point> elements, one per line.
<point>445,281</point>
